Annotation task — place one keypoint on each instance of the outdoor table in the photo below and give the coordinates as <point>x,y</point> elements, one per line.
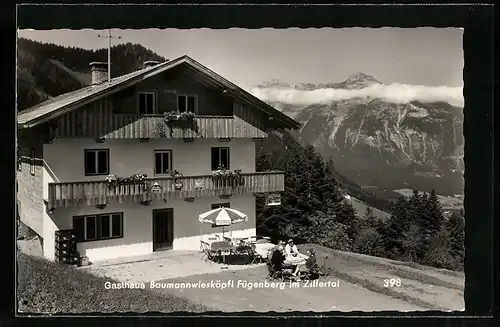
<point>263,248</point>
<point>245,249</point>
<point>290,260</point>
<point>221,246</point>
<point>235,240</point>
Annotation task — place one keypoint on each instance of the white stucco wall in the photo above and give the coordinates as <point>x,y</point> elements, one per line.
<point>66,157</point>
<point>138,226</point>
<point>64,161</point>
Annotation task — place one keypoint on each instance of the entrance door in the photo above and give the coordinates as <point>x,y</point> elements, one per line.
<point>163,229</point>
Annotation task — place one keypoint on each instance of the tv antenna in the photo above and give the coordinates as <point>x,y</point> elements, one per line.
<point>109,37</point>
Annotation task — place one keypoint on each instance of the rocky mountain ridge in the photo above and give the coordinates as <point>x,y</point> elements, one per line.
<point>379,143</point>
<point>355,81</point>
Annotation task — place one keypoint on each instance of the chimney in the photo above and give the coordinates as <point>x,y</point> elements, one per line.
<point>99,72</point>
<point>151,63</point>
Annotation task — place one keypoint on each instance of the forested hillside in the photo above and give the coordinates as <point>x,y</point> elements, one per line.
<point>47,70</point>
<point>314,210</point>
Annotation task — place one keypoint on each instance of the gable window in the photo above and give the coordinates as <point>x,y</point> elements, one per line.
<point>186,103</point>
<point>146,103</point>
<point>96,162</point>
<point>32,162</point>
<point>220,158</point>
<point>163,161</point>
<point>98,227</point>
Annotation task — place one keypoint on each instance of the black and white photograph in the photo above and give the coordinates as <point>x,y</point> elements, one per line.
<point>240,170</point>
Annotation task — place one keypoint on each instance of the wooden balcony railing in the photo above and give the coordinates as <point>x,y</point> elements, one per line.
<point>152,126</point>
<point>90,193</point>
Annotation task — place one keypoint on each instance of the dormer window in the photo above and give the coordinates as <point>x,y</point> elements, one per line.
<point>146,103</point>
<point>186,103</point>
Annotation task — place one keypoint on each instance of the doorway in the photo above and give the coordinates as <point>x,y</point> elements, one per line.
<point>163,229</point>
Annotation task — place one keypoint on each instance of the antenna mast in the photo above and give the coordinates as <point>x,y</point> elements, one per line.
<point>109,37</point>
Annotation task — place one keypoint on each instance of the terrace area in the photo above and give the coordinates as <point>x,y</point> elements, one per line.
<point>356,284</point>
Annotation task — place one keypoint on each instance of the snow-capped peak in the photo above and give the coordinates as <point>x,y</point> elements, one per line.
<point>359,80</point>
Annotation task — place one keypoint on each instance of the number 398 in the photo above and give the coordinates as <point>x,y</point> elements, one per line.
<point>392,282</point>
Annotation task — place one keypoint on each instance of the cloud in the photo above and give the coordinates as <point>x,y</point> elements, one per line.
<point>396,93</point>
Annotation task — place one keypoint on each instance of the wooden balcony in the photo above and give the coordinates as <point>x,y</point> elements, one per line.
<point>91,193</point>
<point>99,121</point>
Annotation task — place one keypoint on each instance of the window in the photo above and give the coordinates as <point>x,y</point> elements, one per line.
<point>98,227</point>
<point>96,162</point>
<point>32,162</point>
<point>146,103</point>
<point>163,161</point>
<point>220,158</point>
<point>186,103</point>
<point>219,205</point>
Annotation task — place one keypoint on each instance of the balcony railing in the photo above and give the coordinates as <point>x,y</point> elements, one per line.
<point>90,193</point>
<point>110,126</point>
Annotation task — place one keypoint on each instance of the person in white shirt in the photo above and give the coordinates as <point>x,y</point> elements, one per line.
<point>292,251</point>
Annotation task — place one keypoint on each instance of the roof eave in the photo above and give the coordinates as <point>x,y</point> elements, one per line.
<point>121,85</point>
<point>239,92</point>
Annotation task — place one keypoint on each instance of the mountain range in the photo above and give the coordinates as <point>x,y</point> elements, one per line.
<point>379,144</point>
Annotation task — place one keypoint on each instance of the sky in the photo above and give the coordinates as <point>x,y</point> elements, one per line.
<point>428,57</point>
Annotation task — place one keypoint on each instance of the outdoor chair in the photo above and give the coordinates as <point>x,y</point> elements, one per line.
<point>287,272</point>
<point>272,273</point>
<point>311,273</point>
<point>208,254</point>
<point>323,270</point>
<point>317,271</point>
<point>257,258</point>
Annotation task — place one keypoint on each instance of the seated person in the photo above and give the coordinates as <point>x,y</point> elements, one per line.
<point>311,260</point>
<point>291,250</point>
<point>271,251</point>
<point>277,259</point>
<point>308,265</point>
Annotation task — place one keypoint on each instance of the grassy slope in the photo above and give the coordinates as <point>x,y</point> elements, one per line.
<point>427,287</point>
<point>360,208</point>
<point>47,287</point>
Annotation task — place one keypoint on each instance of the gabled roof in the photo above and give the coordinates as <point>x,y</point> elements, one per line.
<point>64,103</point>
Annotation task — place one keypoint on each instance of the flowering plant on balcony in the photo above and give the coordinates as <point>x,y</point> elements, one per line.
<point>187,116</point>
<point>183,120</point>
<point>176,115</point>
<point>233,177</point>
<point>135,179</point>
<point>177,175</point>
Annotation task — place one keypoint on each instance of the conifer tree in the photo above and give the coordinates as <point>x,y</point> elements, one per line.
<point>397,224</point>
<point>432,219</point>
<point>263,159</point>
<point>456,229</point>
<point>369,219</point>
